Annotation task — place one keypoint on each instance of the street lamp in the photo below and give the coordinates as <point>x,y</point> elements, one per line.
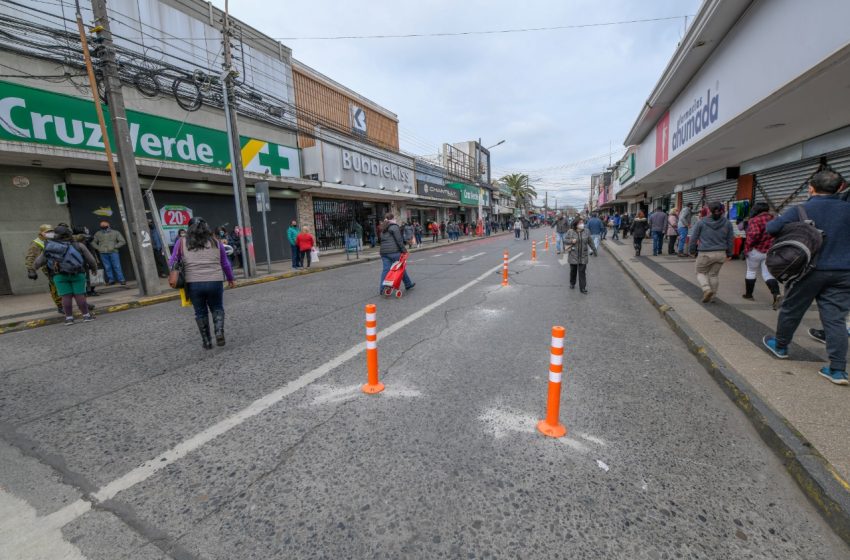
<point>499,143</point>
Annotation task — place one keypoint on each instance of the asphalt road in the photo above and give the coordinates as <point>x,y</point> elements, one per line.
<point>446,463</point>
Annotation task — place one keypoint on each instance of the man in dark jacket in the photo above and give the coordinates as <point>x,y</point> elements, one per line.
<point>715,237</point>
<point>828,284</point>
<point>392,246</point>
<point>658,225</point>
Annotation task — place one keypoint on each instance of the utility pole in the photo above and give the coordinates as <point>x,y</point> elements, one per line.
<point>137,225</point>
<point>237,172</point>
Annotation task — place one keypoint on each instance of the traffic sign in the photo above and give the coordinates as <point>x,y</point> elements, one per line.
<point>261,193</point>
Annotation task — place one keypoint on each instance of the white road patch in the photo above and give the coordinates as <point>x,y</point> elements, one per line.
<point>25,536</point>
<point>591,438</point>
<point>470,257</point>
<point>151,467</point>
<point>602,465</point>
<point>437,255</point>
<point>393,390</point>
<point>574,444</point>
<point>504,422</point>
<point>331,395</point>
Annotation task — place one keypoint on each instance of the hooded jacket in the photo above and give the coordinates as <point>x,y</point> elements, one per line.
<point>640,227</point>
<point>391,240</point>
<point>712,235</point>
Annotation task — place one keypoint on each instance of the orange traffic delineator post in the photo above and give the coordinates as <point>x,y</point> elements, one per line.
<point>546,247</point>
<point>505,269</point>
<point>551,426</point>
<point>534,251</point>
<point>372,385</point>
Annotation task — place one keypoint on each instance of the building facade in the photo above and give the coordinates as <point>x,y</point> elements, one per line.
<point>723,125</point>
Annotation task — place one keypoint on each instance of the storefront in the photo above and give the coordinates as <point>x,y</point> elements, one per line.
<point>359,185</point>
<point>469,198</point>
<point>435,200</point>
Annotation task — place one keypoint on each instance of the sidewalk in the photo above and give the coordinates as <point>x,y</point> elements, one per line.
<point>21,312</point>
<point>802,416</point>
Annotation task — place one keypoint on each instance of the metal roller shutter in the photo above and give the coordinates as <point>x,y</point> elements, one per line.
<point>721,192</point>
<point>840,161</point>
<point>693,196</point>
<point>780,182</point>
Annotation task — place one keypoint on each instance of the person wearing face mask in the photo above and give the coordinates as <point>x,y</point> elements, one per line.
<point>291,236</point>
<point>715,238</point>
<point>35,249</point>
<point>577,242</point>
<point>108,242</point>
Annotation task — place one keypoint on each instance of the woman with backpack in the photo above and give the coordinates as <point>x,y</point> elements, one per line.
<point>205,266</point>
<point>755,250</point>
<point>68,261</point>
<point>639,228</point>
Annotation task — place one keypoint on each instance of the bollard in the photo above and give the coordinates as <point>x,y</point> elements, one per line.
<point>534,251</point>
<point>550,426</point>
<point>505,269</point>
<point>546,247</point>
<point>372,385</point>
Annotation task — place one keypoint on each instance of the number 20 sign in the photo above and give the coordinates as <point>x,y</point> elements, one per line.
<point>175,217</point>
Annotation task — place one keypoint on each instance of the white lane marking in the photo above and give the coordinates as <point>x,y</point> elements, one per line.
<point>573,444</point>
<point>470,257</point>
<point>24,536</point>
<point>417,260</point>
<point>591,438</point>
<point>149,468</point>
<point>602,465</point>
<point>437,255</point>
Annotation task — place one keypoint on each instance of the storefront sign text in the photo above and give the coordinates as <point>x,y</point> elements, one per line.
<point>437,191</point>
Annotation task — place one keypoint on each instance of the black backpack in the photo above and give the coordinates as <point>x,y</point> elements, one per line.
<point>794,251</point>
<point>63,258</point>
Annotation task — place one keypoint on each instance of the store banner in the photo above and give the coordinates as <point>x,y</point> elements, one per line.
<point>424,188</point>
<point>53,119</point>
<point>469,195</point>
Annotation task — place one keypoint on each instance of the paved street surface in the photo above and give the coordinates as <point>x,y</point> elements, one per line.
<point>267,449</point>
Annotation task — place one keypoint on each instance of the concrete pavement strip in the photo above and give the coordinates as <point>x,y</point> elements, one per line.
<point>15,326</point>
<point>825,488</point>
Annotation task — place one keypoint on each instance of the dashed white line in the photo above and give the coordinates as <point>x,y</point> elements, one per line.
<point>470,257</point>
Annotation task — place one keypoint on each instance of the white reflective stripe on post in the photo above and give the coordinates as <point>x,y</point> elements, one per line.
<point>371,316</point>
<point>371,345</point>
<point>557,342</point>
<point>556,360</point>
<point>372,331</point>
<point>554,377</point>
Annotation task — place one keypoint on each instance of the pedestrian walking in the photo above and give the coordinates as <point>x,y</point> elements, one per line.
<point>392,246</point>
<point>577,242</point>
<point>36,248</point>
<point>407,233</point>
<point>657,226</point>
<point>68,262</point>
<point>595,226</point>
<point>81,235</point>
<point>756,246</point>
<point>435,232</point>
<point>417,232</point>
<point>291,236</point>
<point>828,284</point>
<point>714,237</point>
<point>561,229</point>
<point>205,267</point>
<point>443,229</point>
<point>156,244</point>
<point>604,220</point>
<point>305,243</point>
<point>639,228</point>
<point>625,225</point>
<point>683,226</point>
<point>108,242</point>
<point>615,227</point>
<point>526,225</point>
<point>672,231</point>
<point>517,228</point>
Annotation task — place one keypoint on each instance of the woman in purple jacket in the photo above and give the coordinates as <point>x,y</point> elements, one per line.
<point>205,268</point>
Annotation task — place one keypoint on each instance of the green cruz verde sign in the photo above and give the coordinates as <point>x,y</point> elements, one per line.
<point>52,119</point>
<point>469,195</point>
<point>627,169</point>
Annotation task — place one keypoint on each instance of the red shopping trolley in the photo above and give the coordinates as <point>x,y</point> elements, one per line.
<point>392,281</point>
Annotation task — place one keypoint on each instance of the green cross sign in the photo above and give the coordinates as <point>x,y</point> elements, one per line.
<point>274,160</point>
<point>60,193</point>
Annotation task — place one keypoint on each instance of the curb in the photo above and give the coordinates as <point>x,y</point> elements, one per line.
<point>16,326</point>
<point>827,491</point>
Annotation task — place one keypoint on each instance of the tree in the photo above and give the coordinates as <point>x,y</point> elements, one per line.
<point>520,188</point>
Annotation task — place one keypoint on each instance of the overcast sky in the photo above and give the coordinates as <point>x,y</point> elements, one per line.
<point>555,97</point>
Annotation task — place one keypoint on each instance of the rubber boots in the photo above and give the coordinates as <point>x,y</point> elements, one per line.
<point>204,327</point>
<point>218,325</point>
<point>773,285</point>
<point>751,285</point>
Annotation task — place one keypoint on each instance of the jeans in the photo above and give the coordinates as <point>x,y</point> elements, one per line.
<point>559,241</point>
<point>657,242</point>
<point>597,239</point>
<point>615,233</point>
<point>525,234</point>
<point>112,267</point>
<point>388,261</point>
<point>831,290</point>
<point>581,271</point>
<point>516,233</point>
<point>205,295</point>
<point>708,270</point>
<point>756,260</point>
<point>296,256</point>
<point>683,234</point>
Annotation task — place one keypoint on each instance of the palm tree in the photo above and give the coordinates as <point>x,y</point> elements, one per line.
<point>520,188</point>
